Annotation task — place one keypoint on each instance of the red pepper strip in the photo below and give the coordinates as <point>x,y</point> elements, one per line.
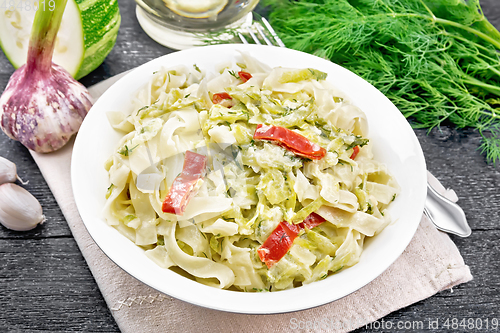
<point>313,220</point>
<point>278,243</point>
<point>355,152</point>
<point>244,76</point>
<point>290,140</point>
<point>219,97</point>
<point>281,239</point>
<point>182,188</point>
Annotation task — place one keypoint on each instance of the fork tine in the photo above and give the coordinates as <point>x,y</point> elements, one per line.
<point>273,33</point>
<point>263,35</point>
<point>254,37</point>
<point>242,38</point>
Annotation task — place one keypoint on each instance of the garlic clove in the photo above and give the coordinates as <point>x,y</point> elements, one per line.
<point>8,171</point>
<point>19,209</point>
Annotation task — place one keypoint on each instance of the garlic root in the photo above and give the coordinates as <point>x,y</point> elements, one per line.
<point>8,172</point>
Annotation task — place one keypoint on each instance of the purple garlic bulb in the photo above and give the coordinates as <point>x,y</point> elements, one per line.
<point>42,105</point>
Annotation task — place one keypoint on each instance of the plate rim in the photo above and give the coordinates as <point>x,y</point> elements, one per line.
<point>231,307</point>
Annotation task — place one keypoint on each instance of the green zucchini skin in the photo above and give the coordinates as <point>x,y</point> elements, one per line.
<point>100,21</point>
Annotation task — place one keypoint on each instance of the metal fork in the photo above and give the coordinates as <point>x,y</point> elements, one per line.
<point>256,26</point>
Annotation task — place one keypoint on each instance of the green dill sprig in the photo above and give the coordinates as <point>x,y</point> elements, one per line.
<point>126,151</point>
<point>491,144</point>
<point>234,74</point>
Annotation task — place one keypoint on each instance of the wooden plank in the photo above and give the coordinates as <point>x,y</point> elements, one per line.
<point>46,286</point>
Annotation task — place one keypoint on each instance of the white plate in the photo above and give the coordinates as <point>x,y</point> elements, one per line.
<point>394,143</point>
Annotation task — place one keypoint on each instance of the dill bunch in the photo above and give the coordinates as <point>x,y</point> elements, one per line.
<point>436,60</point>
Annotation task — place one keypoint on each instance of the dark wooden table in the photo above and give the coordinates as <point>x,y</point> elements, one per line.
<point>45,284</point>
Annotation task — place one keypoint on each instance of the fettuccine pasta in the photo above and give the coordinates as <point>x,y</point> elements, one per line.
<point>290,189</point>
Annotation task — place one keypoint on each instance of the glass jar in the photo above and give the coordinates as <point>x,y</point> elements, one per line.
<point>176,23</point>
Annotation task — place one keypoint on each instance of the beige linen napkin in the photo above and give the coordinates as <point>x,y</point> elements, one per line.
<point>431,263</point>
